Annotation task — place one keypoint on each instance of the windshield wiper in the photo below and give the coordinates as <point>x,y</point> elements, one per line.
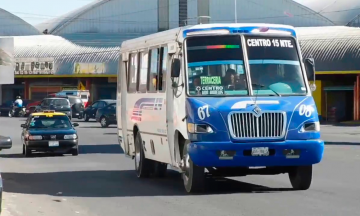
<point>262,86</point>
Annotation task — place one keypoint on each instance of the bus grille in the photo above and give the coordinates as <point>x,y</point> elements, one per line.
<point>247,125</point>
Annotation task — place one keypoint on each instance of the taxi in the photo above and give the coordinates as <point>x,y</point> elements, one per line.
<point>49,131</point>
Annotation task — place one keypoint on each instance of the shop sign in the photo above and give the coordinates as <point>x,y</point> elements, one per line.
<point>34,66</point>
<point>89,68</point>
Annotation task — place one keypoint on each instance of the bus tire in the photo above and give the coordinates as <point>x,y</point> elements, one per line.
<point>160,169</point>
<point>143,166</point>
<point>193,175</point>
<point>301,177</point>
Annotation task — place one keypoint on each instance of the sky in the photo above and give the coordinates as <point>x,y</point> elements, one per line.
<point>38,11</point>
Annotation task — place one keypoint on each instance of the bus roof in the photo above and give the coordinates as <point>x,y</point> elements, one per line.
<point>179,34</point>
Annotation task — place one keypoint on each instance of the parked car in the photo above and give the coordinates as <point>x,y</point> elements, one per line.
<point>91,110</point>
<point>106,115</point>
<point>6,107</point>
<point>56,104</point>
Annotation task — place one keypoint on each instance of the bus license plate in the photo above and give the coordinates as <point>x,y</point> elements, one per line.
<point>53,143</point>
<point>260,151</point>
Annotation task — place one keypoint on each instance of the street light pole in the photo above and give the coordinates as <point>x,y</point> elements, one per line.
<point>235,11</point>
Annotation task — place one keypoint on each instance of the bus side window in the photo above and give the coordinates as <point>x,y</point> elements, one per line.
<point>153,72</point>
<point>133,73</point>
<point>163,69</point>
<point>144,64</point>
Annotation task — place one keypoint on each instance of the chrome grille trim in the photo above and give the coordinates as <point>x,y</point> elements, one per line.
<point>245,125</point>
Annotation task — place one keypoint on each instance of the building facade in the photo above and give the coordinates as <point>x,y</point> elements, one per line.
<point>47,64</point>
<point>337,61</point>
<point>91,36</point>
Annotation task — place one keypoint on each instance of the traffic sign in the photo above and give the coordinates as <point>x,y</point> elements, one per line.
<point>81,86</point>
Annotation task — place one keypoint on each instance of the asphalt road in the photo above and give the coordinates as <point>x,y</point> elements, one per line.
<point>101,182</point>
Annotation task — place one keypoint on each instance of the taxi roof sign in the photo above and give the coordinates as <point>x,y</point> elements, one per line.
<point>48,114</point>
<point>49,111</point>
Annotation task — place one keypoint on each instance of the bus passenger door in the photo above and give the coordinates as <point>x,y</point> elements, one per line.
<point>123,106</point>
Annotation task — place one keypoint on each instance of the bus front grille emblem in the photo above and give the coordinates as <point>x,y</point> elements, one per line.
<point>257,111</point>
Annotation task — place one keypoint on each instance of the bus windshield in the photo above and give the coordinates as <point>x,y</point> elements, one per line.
<point>215,66</point>
<point>274,66</point>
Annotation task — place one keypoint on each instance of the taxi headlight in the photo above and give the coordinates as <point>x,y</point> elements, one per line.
<point>35,137</point>
<point>199,128</point>
<point>70,136</point>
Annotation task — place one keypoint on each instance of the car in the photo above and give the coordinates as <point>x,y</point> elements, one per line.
<point>76,104</point>
<point>5,143</point>
<point>106,115</point>
<point>55,103</point>
<point>30,107</point>
<point>49,131</point>
<point>91,110</point>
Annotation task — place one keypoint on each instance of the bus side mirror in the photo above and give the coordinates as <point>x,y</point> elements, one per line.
<point>175,68</point>
<point>310,68</point>
<point>310,72</point>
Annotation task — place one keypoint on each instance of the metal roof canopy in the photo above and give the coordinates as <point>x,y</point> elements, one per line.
<point>334,48</point>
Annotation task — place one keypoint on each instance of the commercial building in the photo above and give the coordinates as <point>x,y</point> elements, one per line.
<point>48,64</point>
<point>337,58</point>
<point>81,37</point>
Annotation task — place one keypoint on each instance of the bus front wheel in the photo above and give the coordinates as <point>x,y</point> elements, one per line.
<point>143,166</point>
<point>300,177</point>
<point>193,176</point>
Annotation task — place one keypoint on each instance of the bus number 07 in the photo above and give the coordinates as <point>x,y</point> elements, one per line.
<point>203,112</point>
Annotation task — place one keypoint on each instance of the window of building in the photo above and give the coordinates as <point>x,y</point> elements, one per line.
<point>153,73</point>
<point>162,77</point>
<point>144,65</point>
<point>133,73</point>
<point>183,11</point>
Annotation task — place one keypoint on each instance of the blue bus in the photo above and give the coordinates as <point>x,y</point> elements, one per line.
<point>219,100</point>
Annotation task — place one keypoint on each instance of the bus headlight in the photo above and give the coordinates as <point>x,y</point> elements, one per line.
<point>310,127</point>
<point>199,128</point>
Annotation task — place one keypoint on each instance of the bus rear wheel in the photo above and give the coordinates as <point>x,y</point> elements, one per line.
<point>193,175</point>
<point>143,166</point>
<point>301,177</point>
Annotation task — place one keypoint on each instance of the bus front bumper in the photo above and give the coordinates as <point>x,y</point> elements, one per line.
<point>229,154</point>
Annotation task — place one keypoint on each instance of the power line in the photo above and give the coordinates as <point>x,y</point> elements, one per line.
<point>99,20</point>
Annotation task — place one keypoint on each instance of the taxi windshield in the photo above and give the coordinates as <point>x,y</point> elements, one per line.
<point>50,122</point>
<point>215,66</point>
